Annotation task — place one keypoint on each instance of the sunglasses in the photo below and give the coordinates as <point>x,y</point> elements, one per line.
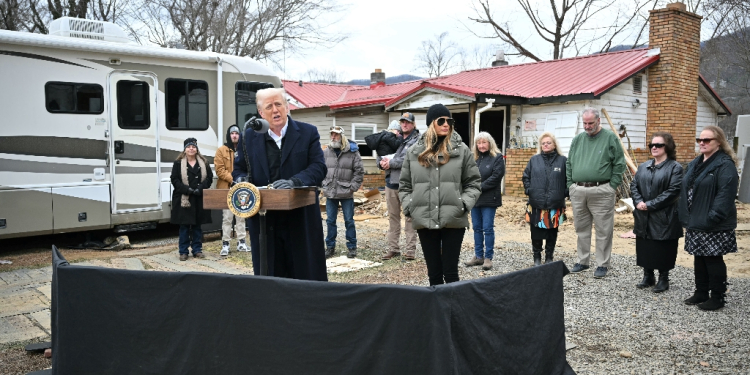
<point>704,140</point>
<point>657,145</point>
<point>442,121</point>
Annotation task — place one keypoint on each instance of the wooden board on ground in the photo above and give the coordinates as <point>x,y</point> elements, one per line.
<point>365,217</point>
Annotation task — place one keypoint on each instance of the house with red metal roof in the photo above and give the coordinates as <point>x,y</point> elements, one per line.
<point>643,90</point>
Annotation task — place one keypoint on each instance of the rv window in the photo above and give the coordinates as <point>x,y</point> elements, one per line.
<point>68,97</point>
<point>244,96</point>
<point>133,110</point>
<point>187,104</point>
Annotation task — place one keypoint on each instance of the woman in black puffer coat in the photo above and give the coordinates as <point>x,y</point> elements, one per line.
<point>544,182</point>
<point>655,190</point>
<point>492,169</point>
<point>191,174</point>
<point>709,215</point>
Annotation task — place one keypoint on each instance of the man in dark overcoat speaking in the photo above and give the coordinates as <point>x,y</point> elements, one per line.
<point>288,155</point>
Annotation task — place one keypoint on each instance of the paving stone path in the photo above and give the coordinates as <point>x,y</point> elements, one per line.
<point>25,294</point>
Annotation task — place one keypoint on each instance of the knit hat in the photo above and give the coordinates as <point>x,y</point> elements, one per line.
<point>435,111</point>
<point>189,142</point>
<point>233,129</point>
<point>394,125</point>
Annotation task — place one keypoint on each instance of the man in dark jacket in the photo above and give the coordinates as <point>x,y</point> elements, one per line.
<point>289,155</point>
<point>392,168</point>
<point>344,177</point>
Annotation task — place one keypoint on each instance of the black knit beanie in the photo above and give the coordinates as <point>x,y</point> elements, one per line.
<point>190,141</point>
<point>435,111</point>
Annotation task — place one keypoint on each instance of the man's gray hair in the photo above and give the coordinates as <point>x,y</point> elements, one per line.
<point>264,94</point>
<point>586,110</point>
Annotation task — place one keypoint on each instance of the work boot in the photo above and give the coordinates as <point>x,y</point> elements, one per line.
<point>183,257</point>
<point>663,283</point>
<point>487,264</point>
<point>548,258</point>
<point>537,256</point>
<point>474,262</point>
<point>410,255</point>
<point>390,254</point>
<point>330,251</point>
<point>352,253</point>
<point>648,279</point>
<point>199,255</point>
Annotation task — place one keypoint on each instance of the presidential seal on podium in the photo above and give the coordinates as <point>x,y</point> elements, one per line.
<point>243,199</point>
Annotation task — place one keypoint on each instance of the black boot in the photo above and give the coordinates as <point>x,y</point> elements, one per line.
<point>548,258</point>
<point>701,282</point>
<point>330,251</point>
<point>663,283</point>
<point>717,277</point>
<point>549,247</point>
<point>537,257</point>
<point>648,279</point>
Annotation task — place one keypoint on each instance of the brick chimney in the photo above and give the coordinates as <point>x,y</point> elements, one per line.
<point>673,81</point>
<point>377,79</point>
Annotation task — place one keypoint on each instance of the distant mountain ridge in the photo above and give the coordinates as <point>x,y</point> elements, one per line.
<point>388,80</point>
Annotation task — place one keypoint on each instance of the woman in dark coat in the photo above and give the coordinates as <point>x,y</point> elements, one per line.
<point>191,174</point>
<point>544,182</point>
<point>492,169</point>
<point>655,190</point>
<point>709,216</point>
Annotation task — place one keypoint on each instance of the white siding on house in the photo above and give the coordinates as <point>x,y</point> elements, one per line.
<point>617,102</point>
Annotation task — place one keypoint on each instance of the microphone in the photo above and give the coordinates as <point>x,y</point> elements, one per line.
<point>259,125</point>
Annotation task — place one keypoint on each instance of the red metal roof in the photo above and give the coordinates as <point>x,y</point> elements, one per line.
<point>315,94</point>
<point>586,75</point>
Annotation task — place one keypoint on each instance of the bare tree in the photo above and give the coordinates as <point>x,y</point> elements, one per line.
<point>325,75</point>
<point>12,15</point>
<point>476,57</point>
<point>437,57</point>
<point>566,25</point>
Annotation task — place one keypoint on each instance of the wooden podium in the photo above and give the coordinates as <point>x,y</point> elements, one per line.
<point>270,200</point>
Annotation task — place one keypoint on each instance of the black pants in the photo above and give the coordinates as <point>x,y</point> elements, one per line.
<point>551,242</point>
<point>710,273</point>
<point>441,248</point>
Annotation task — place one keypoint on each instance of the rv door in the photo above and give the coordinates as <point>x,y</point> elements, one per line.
<point>134,145</point>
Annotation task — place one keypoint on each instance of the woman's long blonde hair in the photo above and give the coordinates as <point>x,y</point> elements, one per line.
<point>494,150</point>
<point>182,155</point>
<point>432,151</point>
<point>723,144</point>
<point>551,137</point>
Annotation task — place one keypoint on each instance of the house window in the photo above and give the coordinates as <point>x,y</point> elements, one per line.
<point>359,132</point>
<point>244,99</point>
<point>187,104</point>
<point>133,110</point>
<point>68,97</point>
<point>637,84</point>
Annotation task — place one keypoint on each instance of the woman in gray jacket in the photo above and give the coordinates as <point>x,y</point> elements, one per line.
<point>439,185</point>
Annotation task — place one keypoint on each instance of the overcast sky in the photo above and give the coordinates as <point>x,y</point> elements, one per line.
<point>387,34</point>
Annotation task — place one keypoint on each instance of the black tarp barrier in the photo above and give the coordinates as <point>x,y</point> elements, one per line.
<point>110,321</point>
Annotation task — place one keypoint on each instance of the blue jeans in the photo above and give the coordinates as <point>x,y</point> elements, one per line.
<point>483,221</point>
<point>332,211</point>
<point>191,235</point>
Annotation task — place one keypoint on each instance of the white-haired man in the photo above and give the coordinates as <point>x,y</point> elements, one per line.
<point>287,156</point>
<point>594,171</point>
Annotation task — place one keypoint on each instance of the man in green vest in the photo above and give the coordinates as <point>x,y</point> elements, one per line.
<point>594,172</point>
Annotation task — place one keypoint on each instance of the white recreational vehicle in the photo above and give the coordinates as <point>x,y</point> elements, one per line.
<point>90,124</point>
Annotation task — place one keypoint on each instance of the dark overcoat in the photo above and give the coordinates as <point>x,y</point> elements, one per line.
<point>492,170</point>
<point>714,190</point>
<point>657,185</point>
<point>195,214</point>
<point>301,158</point>
<point>544,181</point>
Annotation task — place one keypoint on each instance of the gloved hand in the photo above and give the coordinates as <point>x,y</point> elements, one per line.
<point>198,191</point>
<point>191,191</point>
<point>283,184</point>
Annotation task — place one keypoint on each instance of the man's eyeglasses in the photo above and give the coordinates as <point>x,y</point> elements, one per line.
<point>704,140</point>
<point>442,121</point>
<point>657,145</point>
